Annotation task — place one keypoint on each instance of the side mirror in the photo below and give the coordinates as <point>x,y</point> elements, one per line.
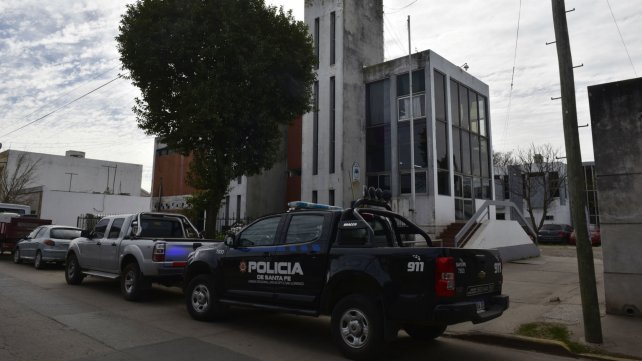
<point>229,240</point>
<point>87,234</point>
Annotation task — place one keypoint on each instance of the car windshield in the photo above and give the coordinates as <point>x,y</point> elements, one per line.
<point>551,227</point>
<point>65,233</point>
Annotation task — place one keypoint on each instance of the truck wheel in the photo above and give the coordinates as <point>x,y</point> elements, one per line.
<point>73,273</point>
<point>424,332</point>
<point>37,262</point>
<point>202,303</point>
<point>358,327</point>
<point>132,283</point>
<point>16,256</point>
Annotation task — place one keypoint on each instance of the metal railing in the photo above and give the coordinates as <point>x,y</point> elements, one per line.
<point>484,211</point>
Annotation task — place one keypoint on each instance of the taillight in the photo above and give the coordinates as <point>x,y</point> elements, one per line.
<point>49,242</point>
<point>158,254</point>
<point>445,277</point>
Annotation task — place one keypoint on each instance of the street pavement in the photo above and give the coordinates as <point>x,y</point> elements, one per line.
<point>546,289</point>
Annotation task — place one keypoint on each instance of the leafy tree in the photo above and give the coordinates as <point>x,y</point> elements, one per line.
<point>218,79</point>
<point>13,183</point>
<point>542,176</point>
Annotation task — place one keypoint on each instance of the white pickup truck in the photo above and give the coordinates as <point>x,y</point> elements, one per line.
<point>137,248</point>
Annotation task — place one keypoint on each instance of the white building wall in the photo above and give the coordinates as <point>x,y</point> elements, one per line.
<point>65,207</point>
<point>81,174</point>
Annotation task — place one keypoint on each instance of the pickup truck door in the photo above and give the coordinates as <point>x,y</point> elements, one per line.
<point>90,247</point>
<point>300,260</point>
<point>245,266</point>
<point>110,246</point>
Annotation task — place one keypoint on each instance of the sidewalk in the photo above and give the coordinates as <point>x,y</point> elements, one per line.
<point>546,289</point>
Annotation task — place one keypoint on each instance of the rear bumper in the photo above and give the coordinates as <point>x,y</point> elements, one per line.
<point>453,313</point>
<point>54,255</point>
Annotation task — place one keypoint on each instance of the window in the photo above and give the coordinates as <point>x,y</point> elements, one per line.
<point>418,109</point>
<point>239,180</point>
<point>261,233</point>
<point>421,144</point>
<point>315,130</point>
<point>331,197</point>
<point>420,182</point>
<point>378,134</point>
<point>418,83</point>
<point>464,116</point>
<point>333,34</point>
<point>65,233</point>
<point>227,210</point>
<point>116,226</point>
<point>379,181</point>
<point>378,103</point>
<point>101,227</point>
<point>316,42</point>
<point>305,228</point>
<point>332,125</point>
<point>454,102</point>
<point>315,197</point>
<point>441,136</point>
<point>41,233</point>
<point>238,207</point>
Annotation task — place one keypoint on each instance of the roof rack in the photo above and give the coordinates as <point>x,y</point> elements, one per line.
<point>309,205</point>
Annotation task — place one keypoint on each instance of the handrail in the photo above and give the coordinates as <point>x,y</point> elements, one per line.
<point>485,208</point>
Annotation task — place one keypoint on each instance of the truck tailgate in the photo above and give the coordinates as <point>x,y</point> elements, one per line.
<point>477,272</point>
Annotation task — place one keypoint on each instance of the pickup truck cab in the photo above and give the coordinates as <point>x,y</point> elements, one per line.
<point>358,265</point>
<point>136,248</point>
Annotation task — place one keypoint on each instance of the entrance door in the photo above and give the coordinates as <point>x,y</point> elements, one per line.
<point>464,202</point>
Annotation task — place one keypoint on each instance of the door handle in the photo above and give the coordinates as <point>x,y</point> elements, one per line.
<point>98,243</point>
<point>114,244</point>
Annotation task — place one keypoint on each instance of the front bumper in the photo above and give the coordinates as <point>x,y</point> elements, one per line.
<point>453,313</point>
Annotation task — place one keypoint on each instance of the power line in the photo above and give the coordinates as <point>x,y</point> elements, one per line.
<point>70,91</point>
<point>512,78</point>
<point>64,105</point>
<point>396,10</point>
<point>393,34</point>
<point>621,38</point>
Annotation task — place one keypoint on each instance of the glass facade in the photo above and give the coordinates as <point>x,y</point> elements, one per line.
<point>420,132</point>
<point>378,136</point>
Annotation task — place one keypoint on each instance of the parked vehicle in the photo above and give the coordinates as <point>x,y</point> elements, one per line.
<point>138,249</point>
<point>595,236</point>
<point>14,227</point>
<point>45,244</point>
<point>21,209</point>
<point>554,233</point>
<point>357,265</point>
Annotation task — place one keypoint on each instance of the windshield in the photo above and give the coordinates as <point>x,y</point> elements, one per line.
<point>65,233</point>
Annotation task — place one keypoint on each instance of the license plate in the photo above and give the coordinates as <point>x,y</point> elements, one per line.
<point>480,306</point>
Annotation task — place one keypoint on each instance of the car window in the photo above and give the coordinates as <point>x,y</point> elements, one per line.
<point>261,233</point>
<point>304,228</point>
<point>34,232</point>
<point>101,227</point>
<point>65,233</point>
<point>161,227</point>
<point>41,233</point>
<point>116,226</point>
<point>551,227</point>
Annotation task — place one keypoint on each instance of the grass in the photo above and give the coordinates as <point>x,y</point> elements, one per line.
<point>554,331</point>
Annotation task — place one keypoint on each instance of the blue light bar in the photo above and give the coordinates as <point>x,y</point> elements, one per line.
<point>310,205</point>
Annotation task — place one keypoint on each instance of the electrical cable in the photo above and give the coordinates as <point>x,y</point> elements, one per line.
<point>393,34</point>
<point>622,38</point>
<point>62,106</point>
<point>512,78</point>
<point>396,10</point>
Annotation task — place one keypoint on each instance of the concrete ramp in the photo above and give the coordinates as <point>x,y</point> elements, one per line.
<point>506,236</point>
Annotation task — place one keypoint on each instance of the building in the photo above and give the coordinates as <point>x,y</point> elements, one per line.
<point>359,132</point>
<point>62,188</point>
<point>616,123</point>
<point>550,178</point>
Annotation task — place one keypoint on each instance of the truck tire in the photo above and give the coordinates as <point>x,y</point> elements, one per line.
<point>201,300</point>
<point>16,256</point>
<point>37,261</point>
<point>73,273</point>
<point>357,326</point>
<point>132,283</point>
<point>424,332</point>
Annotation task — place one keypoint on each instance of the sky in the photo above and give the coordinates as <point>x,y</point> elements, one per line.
<point>59,67</point>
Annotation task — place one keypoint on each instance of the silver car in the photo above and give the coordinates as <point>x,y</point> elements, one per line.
<point>45,244</point>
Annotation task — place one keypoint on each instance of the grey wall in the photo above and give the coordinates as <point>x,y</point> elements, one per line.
<point>616,119</point>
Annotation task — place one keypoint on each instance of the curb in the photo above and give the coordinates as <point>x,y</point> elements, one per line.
<point>530,343</point>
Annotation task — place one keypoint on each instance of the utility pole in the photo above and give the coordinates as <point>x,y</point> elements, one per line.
<point>577,185</point>
<point>109,167</point>
<point>71,176</point>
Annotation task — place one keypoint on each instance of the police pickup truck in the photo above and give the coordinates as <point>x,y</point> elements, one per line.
<point>137,248</point>
<point>357,265</point>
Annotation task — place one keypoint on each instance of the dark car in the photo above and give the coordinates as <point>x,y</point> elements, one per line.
<point>596,238</point>
<point>554,233</point>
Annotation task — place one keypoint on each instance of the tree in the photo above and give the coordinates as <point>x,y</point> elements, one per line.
<point>218,79</point>
<point>542,176</point>
<point>13,184</point>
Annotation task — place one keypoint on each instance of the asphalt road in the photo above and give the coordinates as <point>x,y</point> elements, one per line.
<point>43,318</point>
